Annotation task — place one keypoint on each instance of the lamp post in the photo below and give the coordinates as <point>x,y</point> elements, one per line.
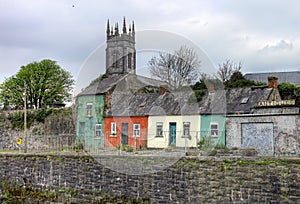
<point>25,119</point>
<point>25,114</point>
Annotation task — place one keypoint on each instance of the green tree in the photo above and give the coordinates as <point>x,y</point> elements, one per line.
<point>238,80</point>
<point>288,91</point>
<point>44,82</point>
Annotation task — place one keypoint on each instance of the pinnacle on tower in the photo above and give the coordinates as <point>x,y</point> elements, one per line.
<point>116,29</point>
<point>133,26</point>
<point>124,26</point>
<point>107,28</point>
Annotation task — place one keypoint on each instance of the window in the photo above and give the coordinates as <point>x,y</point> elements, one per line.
<point>136,130</point>
<point>186,128</point>
<point>129,60</point>
<point>98,130</point>
<point>89,108</point>
<point>214,129</point>
<point>159,129</point>
<point>113,128</point>
<point>244,100</point>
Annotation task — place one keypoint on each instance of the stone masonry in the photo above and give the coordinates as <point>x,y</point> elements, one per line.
<point>189,180</point>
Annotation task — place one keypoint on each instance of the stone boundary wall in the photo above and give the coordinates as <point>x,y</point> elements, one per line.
<point>188,180</point>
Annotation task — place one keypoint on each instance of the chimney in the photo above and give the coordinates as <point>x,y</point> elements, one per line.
<point>272,82</point>
<point>211,88</point>
<point>163,88</point>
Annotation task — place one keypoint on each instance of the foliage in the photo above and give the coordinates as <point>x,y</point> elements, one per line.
<point>205,143</point>
<point>238,80</point>
<point>196,96</point>
<point>201,84</point>
<point>221,146</point>
<point>79,146</point>
<point>44,83</point>
<point>177,69</point>
<point>288,91</point>
<point>17,118</point>
<point>125,148</point>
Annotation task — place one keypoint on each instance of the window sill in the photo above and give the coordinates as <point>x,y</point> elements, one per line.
<point>186,136</point>
<point>159,136</point>
<point>112,135</point>
<point>214,136</point>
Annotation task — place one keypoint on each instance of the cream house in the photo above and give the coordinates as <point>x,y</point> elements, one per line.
<point>173,120</point>
<point>173,130</point>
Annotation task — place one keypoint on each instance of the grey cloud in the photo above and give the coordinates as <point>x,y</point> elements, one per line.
<point>280,46</point>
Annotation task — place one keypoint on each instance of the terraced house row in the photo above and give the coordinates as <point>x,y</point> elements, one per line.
<point>129,109</point>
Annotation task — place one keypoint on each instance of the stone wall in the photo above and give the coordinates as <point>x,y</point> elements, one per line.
<point>82,179</point>
<point>282,139</point>
<point>57,127</point>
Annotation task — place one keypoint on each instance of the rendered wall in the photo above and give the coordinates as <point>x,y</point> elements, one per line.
<point>162,142</point>
<point>286,133</point>
<point>88,136</point>
<point>205,127</point>
<point>134,142</point>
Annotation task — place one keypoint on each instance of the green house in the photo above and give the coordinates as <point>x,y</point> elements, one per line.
<point>89,127</point>
<point>213,116</point>
<point>213,126</point>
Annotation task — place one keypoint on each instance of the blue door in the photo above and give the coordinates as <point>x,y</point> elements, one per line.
<point>172,130</point>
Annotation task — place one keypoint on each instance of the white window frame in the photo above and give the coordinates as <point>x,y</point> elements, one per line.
<point>136,132</point>
<point>113,128</point>
<point>98,130</point>
<point>89,109</point>
<point>162,127</point>
<point>186,134</point>
<point>214,130</point>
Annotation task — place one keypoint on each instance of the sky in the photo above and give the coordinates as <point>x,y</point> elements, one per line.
<point>264,35</point>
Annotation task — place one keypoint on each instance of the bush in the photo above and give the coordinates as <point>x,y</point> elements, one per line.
<point>125,148</point>
<point>205,143</point>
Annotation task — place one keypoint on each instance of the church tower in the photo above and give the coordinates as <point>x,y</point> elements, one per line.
<point>120,49</point>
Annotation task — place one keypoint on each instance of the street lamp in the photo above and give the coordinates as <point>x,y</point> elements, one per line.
<point>25,118</point>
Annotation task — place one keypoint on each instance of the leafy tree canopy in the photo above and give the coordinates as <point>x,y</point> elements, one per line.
<point>44,83</point>
<point>288,91</point>
<point>238,80</point>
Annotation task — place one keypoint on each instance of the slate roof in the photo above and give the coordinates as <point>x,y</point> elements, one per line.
<point>169,103</point>
<point>102,86</point>
<point>287,77</point>
<point>123,82</point>
<point>231,101</point>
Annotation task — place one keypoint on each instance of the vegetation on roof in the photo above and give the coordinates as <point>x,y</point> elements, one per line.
<point>288,91</point>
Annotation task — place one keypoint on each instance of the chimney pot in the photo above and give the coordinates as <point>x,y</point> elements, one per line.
<point>272,82</point>
<point>211,87</point>
<point>163,88</point>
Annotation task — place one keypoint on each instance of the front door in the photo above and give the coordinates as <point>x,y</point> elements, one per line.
<point>172,130</point>
<point>125,133</point>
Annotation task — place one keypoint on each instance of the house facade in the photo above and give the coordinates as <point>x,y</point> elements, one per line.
<point>173,121</point>
<point>131,131</point>
<point>213,126</point>
<point>89,122</point>
<point>173,130</point>
<point>271,127</point>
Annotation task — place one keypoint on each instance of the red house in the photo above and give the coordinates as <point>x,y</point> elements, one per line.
<point>131,131</point>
